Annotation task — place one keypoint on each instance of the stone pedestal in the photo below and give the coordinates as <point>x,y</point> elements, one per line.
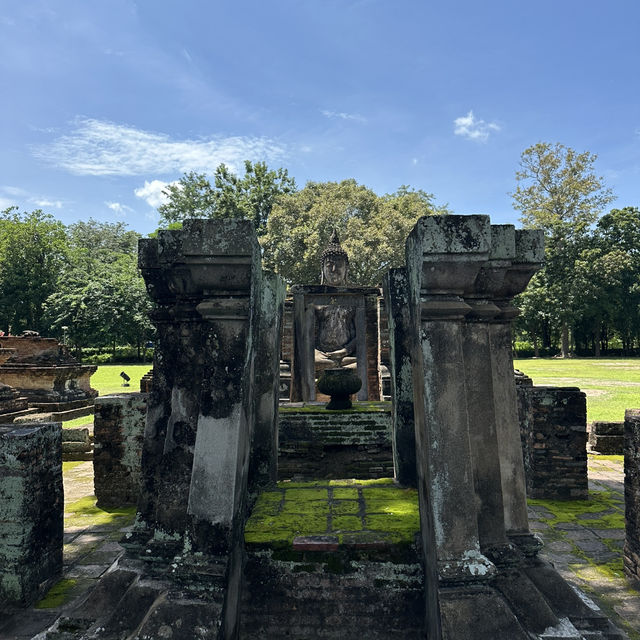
<point>606,437</point>
<point>44,372</point>
<point>31,511</point>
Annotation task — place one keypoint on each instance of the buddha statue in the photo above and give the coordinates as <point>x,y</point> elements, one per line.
<point>335,328</point>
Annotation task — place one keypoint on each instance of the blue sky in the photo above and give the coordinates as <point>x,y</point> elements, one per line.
<point>104,102</point>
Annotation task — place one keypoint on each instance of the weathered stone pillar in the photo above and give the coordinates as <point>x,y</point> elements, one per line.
<point>31,511</point>
<point>396,294</point>
<point>481,392</point>
<point>632,493</point>
<point>444,256</point>
<point>528,258</point>
<point>205,281</point>
<point>263,467</point>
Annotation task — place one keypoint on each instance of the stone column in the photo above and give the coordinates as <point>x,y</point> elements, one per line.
<point>444,256</point>
<point>529,255</point>
<point>205,281</point>
<point>396,295</point>
<point>263,467</point>
<point>481,392</point>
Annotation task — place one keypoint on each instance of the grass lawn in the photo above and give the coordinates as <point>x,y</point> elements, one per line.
<point>611,384</point>
<point>107,378</point>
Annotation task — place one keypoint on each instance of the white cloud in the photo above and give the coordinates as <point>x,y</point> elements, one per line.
<point>5,203</point>
<point>341,115</point>
<point>17,192</point>
<point>100,148</point>
<point>469,127</point>
<point>152,192</point>
<point>57,204</point>
<point>119,209</point>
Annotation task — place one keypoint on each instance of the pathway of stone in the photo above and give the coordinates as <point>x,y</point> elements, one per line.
<point>583,541</point>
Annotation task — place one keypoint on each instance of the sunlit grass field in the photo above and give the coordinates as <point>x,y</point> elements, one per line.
<point>611,384</point>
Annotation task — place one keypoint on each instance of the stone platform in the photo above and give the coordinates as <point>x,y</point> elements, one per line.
<point>316,443</point>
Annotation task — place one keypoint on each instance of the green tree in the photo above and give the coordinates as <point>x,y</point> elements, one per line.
<point>558,191</point>
<point>251,196</point>
<point>33,251</point>
<point>372,229</point>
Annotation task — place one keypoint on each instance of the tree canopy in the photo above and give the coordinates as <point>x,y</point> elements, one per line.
<point>372,229</point>
<point>251,196</point>
<point>558,191</point>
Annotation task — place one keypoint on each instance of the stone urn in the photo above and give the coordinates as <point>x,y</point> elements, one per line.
<point>339,383</point>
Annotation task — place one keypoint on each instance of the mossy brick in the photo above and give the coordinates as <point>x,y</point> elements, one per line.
<point>346,523</point>
<point>345,507</point>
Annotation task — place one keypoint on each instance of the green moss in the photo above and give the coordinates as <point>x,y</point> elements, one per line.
<point>362,483</point>
<point>310,508</point>
<point>68,466</point>
<point>345,507</point>
<point>570,510</point>
<point>85,513</point>
<point>304,495</point>
<point>358,407</point>
<point>57,595</point>
<point>345,494</point>
<point>611,458</point>
<point>346,523</point>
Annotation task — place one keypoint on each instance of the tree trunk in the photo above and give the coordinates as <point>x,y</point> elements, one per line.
<point>596,341</point>
<point>564,347</point>
<point>536,346</point>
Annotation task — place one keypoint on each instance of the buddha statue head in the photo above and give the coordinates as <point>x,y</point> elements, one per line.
<point>335,263</point>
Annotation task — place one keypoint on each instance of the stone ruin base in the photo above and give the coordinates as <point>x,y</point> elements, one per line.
<point>607,438</point>
<point>314,443</point>
<point>31,511</point>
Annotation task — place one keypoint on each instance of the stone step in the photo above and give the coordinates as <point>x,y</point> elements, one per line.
<point>9,418</point>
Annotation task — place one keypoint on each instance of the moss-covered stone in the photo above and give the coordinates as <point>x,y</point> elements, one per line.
<point>58,595</point>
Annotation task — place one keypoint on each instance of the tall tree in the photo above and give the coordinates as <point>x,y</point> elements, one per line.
<point>558,191</point>
<point>251,196</point>
<point>33,250</point>
<point>372,229</point>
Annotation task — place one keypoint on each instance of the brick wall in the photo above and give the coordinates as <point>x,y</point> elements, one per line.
<point>553,422</point>
<point>607,437</point>
<point>321,444</point>
<point>31,510</point>
<point>632,493</point>
<point>331,598</point>
<point>119,425</point>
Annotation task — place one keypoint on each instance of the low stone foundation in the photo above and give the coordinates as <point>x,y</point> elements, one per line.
<point>553,423</point>
<point>118,437</point>
<point>31,511</point>
<point>607,437</point>
<point>315,443</point>
<point>632,493</point>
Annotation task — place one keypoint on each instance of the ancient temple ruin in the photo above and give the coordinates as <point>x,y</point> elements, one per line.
<point>216,550</point>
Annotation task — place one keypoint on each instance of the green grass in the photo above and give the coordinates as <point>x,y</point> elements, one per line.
<point>612,385</point>
<point>107,378</point>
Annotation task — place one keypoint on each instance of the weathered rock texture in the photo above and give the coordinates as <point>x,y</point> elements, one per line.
<point>31,508</point>
<point>314,443</point>
<point>607,437</point>
<point>554,439</point>
<point>331,596</point>
<point>44,372</point>
<point>482,577</point>
<point>77,444</point>
<point>632,493</point>
<point>119,425</point>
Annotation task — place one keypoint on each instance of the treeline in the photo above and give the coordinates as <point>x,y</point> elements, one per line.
<point>586,300</point>
<point>79,283</point>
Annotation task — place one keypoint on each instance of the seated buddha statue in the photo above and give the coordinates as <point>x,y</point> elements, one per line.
<point>335,328</point>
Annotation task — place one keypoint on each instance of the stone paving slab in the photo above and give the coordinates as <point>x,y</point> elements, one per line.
<point>588,555</point>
